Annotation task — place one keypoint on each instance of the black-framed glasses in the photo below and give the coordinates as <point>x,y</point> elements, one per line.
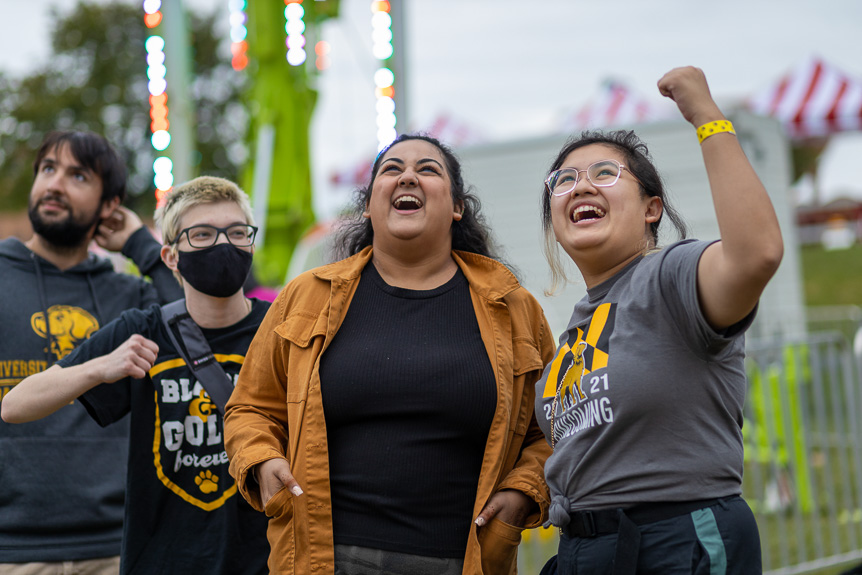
<point>204,236</point>
<point>602,174</point>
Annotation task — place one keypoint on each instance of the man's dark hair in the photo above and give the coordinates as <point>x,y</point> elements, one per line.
<point>94,153</point>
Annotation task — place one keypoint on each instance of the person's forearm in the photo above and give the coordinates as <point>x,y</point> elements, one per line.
<point>143,249</point>
<point>731,274</point>
<point>44,393</point>
<point>750,235</point>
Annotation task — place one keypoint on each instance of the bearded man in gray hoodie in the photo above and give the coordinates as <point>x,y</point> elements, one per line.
<point>63,477</point>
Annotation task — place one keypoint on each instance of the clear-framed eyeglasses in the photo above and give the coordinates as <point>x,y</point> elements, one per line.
<point>204,236</point>
<point>602,174</point>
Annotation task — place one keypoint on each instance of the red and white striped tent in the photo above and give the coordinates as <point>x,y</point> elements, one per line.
<point>615,104</point>
<point>813,100</point>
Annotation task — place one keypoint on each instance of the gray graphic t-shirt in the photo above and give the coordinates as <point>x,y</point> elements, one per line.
<point>644,397</point>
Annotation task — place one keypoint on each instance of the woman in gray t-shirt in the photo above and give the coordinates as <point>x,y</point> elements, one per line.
<point>643,401</point>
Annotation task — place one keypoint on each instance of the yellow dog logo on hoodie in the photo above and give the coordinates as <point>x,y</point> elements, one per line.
<point>69,327</point>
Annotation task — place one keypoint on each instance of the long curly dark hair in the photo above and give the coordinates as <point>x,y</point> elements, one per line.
<point>470,234</point>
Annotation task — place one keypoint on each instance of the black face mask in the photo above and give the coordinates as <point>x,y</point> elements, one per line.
<point>218,270</point>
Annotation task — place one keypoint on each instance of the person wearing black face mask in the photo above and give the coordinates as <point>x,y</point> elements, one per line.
<point>181,499</point>
<point>219,270</point>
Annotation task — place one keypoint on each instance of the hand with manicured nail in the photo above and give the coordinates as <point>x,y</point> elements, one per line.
<point>272,475</point>
<point>509,506</point>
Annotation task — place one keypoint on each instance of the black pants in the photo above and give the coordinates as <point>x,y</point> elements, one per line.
<point>353,560</point>
<point>718,540</point>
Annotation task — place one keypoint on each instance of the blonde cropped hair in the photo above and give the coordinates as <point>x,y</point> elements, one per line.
<point>202,190</point>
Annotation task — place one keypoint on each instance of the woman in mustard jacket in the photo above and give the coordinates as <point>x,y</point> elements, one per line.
<point>384,414</point>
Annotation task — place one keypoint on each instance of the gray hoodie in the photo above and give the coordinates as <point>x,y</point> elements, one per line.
<point>63,477</point>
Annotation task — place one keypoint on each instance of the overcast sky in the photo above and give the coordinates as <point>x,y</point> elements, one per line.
<point>515,68</point>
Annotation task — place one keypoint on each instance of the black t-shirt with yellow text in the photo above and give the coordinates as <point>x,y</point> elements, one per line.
<point>183,511</point>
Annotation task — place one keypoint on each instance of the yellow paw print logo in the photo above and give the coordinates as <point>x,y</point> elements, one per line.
<point>207,482</point>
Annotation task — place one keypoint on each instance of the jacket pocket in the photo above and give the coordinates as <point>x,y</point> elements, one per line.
<point>527,360</point>
<point>499,543</point>
<point>279,504</point>
<point>301,327</point>
<point>527,357</point>
<point>299,330</point>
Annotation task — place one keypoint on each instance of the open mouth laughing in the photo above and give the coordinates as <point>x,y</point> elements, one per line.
<point>585,213</point>
<point>407,203</point>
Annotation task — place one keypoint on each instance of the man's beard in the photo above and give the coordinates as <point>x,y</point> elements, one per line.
<point>67,233</point>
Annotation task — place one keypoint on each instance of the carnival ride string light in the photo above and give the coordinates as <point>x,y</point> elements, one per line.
<point>153,15</point>
<point>384,78</point>
<point>238,34</point>
<point>295,27</point>
<point>157,86</point>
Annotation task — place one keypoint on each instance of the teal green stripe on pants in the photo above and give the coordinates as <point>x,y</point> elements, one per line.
<point>708,535</point>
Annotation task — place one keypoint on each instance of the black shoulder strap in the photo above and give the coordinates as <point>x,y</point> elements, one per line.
<point>193,347</point>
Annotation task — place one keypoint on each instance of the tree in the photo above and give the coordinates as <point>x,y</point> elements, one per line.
<point>96,80</point>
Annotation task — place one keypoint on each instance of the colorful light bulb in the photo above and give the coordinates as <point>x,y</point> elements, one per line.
<point>157,86</point>
<point>294,27</point>
<point>384,77</point>
<point>238,34</point>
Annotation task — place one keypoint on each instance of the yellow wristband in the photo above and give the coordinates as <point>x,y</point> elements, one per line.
<point>711,128</point>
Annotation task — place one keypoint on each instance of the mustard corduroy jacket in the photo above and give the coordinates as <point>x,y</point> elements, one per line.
<point>276,410</point>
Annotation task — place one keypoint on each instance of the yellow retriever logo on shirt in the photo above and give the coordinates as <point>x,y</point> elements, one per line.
<point>571,385</point>
<point>69,327</point>
<point>585,352</point>
<point>577,384</point>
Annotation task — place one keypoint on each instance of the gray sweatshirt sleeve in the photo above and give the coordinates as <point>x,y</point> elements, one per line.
<point>143,249</point>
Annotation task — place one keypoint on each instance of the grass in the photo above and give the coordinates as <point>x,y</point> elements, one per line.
<point>832,277</point>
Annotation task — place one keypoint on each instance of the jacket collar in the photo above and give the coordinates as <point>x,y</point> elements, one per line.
<point>344,270</point>
<point>487,277</point>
